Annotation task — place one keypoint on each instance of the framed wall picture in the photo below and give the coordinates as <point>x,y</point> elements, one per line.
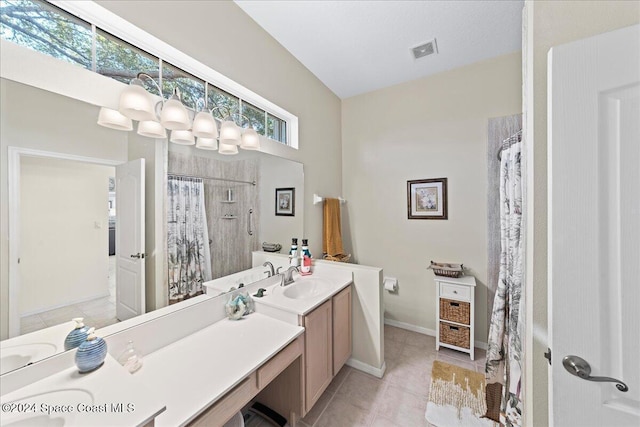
<point>286,201</point>
<point>427,199</point>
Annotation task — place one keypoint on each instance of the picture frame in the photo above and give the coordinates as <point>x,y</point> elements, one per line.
<point>285,201</point>
<point>427,199</point>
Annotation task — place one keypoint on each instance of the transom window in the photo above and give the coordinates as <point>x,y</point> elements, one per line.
<point>40,26</point>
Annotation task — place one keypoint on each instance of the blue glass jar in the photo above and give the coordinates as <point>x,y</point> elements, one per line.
<point>77,336</point>
<point>91,353</point>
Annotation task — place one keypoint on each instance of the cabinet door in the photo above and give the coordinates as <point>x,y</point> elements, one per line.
<point>318,351</point>
<point>341,328</point>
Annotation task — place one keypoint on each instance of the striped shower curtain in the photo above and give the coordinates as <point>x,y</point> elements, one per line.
<point>189,257</point>
<point>506,331</point>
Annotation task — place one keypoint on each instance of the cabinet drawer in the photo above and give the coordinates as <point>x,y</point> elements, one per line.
<point>455,311</point>
<point>457,335</point>
<point>278,363</point>
<point>221,411</point>
<point>457,292</point>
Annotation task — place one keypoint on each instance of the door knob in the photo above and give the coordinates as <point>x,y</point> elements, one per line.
<point>580,368</point>
<point>138,255</point>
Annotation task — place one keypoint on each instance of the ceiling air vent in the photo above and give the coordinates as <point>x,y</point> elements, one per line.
<point>425,49</point>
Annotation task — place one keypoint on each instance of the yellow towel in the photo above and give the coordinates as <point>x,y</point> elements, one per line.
<point>331,228</point>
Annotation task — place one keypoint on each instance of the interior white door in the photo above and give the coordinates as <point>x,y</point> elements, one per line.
<point>594,228</point>
<point>130,246</point>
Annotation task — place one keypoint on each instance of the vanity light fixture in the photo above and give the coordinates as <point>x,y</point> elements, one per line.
<point>151,129</point>
<point>113,119</point>
<point>230,133</point>
<point>204,125</point>
<point>182,137</point>
<point>206,143</point>
<point>137,104</point>
<point>227,148</point>
<point>250,139</point>
<point>174,115</point>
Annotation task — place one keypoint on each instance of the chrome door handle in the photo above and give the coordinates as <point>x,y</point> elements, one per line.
<point>580,368</point>
<point>138,255</point>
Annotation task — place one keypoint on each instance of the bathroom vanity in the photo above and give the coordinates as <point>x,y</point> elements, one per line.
<point>203,368</point>
<point>322,304</point>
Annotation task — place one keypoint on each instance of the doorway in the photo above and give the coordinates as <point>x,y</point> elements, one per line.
<point>58,234</point>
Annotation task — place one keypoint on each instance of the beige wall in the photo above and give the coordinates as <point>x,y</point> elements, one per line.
<point>429,128</point>
<point>226,39</point>
<point>64,233</point>
<point>550,23</point>
<point>278,173</point>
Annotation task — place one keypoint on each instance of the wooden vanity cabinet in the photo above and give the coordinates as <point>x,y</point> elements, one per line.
<point>318,352</point>
<point>327,344</point>
<point>341,329</point>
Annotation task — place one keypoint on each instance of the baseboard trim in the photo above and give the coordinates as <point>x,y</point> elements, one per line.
<point>366,368</point>
<point>54,307</point>
<point>424,331</point>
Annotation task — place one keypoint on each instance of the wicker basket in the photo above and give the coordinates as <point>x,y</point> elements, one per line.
<point>455,311</point>
<point>338,258</point>
<point>455,335</point>
<point>446,269</point>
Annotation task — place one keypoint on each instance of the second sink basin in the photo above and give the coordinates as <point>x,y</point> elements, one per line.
<point>46,409</point>
<point>306,288</point>
<point>14,357</point>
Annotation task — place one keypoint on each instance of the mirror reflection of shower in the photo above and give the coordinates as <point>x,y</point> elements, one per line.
<point>218,193</point>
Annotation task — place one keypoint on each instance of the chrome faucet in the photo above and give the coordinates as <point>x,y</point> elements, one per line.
<point>270,272</point>
<point>287,276</point>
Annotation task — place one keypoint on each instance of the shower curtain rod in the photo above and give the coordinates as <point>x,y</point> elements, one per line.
<point>212,177</point>
<point>516,137</point>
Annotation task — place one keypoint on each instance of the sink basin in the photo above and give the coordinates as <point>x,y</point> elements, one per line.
<point>306,288</point>
<point>44,409</point>
<point>14,357</point>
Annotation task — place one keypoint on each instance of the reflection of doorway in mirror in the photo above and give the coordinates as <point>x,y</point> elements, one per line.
<point>64,233</point>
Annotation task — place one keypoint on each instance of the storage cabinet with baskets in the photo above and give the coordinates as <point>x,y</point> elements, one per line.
<point>455,311</point>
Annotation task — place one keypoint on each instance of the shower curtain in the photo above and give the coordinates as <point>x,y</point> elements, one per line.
<point>504,353</point>
<point>189,256</point>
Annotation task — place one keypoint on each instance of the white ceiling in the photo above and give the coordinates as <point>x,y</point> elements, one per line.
<point>355,47</point>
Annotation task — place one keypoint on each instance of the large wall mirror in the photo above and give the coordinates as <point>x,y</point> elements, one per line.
<point>61,174</point>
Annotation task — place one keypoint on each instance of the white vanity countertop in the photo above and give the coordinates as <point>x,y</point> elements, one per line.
<point>191,374</point>
<point>73,399</point>
<point>328,282</point>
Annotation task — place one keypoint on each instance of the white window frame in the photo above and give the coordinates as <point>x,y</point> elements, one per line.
<point>106,20</point>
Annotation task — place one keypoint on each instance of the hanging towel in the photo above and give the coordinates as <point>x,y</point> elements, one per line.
<point>331,228</point>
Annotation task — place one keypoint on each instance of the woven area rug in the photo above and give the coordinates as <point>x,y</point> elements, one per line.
<point>456,397</point>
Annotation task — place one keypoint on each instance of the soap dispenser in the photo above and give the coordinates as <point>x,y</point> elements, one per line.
<point>91,353</point>
<point>130,358</point>
<point>77,336</point>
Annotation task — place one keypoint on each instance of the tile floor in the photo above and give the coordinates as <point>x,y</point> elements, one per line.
<point>99,312</point>
<point>399,399</point>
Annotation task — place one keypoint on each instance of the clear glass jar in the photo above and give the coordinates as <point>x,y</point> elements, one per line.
<point>130,358</point>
